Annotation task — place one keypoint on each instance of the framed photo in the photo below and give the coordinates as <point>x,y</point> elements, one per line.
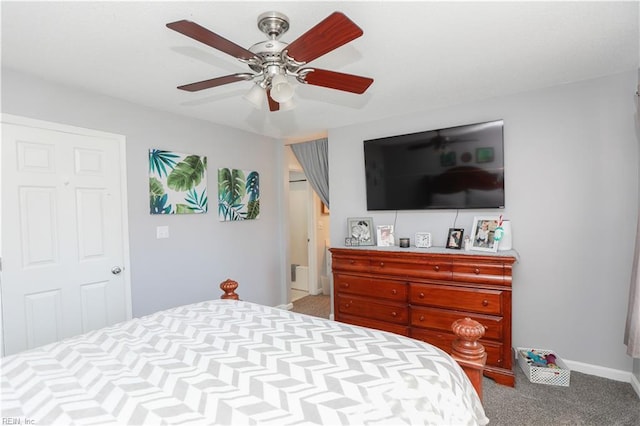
<point>423,239</point>
<point>361,229</point>
<point>483,232</point>
<point>385,236</point>
<point>454,239</point>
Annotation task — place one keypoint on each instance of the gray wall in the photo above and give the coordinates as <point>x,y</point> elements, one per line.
<point>201,251</point>
<point>571,178</point>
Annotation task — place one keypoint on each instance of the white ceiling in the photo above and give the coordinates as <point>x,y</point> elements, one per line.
<point>422,55</point>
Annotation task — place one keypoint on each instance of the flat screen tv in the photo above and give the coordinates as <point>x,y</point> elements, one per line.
<point>458,167</point>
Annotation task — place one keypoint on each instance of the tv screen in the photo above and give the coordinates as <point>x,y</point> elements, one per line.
<point>458,167</point>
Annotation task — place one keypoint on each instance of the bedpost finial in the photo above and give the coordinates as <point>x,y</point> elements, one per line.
<point>467,333</point>
<point>229,287</point>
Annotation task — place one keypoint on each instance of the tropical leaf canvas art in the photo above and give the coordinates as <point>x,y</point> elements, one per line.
<point>177,183</point>
<point>238,194</point>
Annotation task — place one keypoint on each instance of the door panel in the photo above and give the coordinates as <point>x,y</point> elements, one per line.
<point>64,230</point>
<point>43,318</point>
<point>37,218</point>
<point>90,213</point>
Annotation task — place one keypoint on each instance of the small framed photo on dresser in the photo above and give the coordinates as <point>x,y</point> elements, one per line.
<point>454,239</point>
<point>385,236</point>
<point>361,231</point>
<point>483,233</point>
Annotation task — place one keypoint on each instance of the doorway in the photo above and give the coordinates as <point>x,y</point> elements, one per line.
<point>299,234</point>
<point>308,238</point>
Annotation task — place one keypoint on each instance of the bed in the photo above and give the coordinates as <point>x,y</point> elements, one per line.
<point>230,361</point>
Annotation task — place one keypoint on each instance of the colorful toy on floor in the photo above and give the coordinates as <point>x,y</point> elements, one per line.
<point>548,360</point>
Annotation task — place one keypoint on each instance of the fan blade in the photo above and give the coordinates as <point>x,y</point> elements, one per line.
<point>203,35</point>
<point>273,105</point>
<point>335,80</point>
<point>334,31</point>
<point>215,82</point>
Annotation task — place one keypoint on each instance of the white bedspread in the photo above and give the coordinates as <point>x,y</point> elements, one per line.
<point>229,362</point>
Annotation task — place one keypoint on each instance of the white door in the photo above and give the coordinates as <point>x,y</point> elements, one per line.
<point>64,237</point>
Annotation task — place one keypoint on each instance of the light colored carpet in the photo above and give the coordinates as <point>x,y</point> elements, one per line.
<point>317,306</point>
<point>587,401</point>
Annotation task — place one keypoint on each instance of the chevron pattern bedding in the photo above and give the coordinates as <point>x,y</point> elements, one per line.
<point>234,363</point>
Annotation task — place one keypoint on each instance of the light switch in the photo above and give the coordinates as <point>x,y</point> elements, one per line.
<point>162,232</point>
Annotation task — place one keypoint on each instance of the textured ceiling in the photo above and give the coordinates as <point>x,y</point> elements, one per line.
<point>422,55</point>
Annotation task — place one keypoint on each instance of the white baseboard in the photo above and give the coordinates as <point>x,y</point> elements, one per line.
<point>286,307</point>
<point>596,370</point>
<point>635,383</point>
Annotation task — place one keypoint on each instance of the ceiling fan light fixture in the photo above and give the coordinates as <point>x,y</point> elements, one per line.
<point>256,96</point>
<point>288,105</point>
<point>281,89</point>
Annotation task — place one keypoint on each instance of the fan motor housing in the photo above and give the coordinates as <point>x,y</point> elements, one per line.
<point>273,24</point>
<point>269,51</point>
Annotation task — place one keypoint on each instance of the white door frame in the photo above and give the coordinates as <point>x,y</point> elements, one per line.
<point>41,124</point>
<point>312,252</point>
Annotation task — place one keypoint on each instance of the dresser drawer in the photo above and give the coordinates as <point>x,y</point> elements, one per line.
<point>397,313</point>
<point>350,264</point>
<point>371,287</point>
<point>400,329</point>
<point>445,340</point>
<point>441,320</point>
<point>460,298</point>
<point>473,272</point>
<point>434,269</point>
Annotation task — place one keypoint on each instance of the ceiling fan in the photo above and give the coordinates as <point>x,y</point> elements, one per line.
<point>273,62</point>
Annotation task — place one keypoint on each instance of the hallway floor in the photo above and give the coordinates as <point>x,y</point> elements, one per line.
<point>317,306</point>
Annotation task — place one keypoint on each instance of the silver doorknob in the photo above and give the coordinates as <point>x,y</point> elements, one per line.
<point>116,270</point>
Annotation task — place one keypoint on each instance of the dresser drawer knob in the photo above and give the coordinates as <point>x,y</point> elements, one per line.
<point>485,302</point>
<point>394,291</point>
<point>345,285</point>
<point>346,306</point>
<point>381,264</point>
<point>421,317</point>
<point>394,314</point>
<point>476,271</point>
<point>351,261</point>
<point>436,268</point>
<point>421,295</point>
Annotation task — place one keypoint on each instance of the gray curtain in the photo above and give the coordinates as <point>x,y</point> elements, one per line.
<point>632,329</point>
<point>313,156</point>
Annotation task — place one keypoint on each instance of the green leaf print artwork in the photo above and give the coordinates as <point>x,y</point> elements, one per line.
<point>177,183</point>
<point>238,194</point>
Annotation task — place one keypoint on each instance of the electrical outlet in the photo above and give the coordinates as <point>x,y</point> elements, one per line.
<point>162,232</point>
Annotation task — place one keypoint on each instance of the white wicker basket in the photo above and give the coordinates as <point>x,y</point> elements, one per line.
<point>549,376</point>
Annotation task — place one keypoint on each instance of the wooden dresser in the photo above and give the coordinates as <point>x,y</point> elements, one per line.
<point>421,292</point>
